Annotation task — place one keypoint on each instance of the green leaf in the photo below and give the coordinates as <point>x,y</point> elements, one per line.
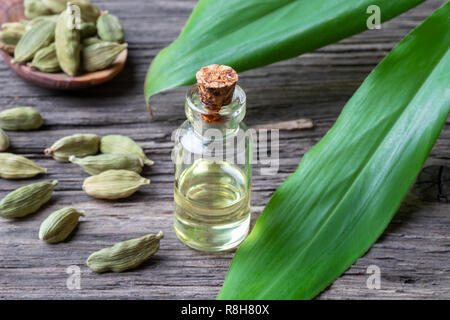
<point>348,187</point>
<point>254,33</point>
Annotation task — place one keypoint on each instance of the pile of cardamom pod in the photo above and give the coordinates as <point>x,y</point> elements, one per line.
<point>72,36</point>
<point>115,174</point>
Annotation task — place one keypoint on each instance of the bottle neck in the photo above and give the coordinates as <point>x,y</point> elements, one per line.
<point>215,123</point>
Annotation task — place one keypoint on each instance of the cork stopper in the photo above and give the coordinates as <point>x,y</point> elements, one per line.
<point>216,85</point>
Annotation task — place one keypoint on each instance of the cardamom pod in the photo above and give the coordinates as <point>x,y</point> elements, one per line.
<point>39,36</point>
<point>125,255</point>
<point>59,225</point>
<point>4,141</point>
<point>103,162</point>
<point>17,167</point>
<point>10,36</point>
<point>87,29</point>
<point>79,145</point>
<point>119,144</point>
<point>100,56</point>
<point>8,48</point>
<point>56,6</point>
<point>109,28</point>
<point>89,12</point>
<point>14,27</point>
<point>92,40</point>
<point>67,40</point>
<point>26,200</point>
<point>46,60</point>
<point>20,119</point>
<point>114,184</point>
<point>35,8</point>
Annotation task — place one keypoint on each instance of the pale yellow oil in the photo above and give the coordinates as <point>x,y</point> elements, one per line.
<point>212,205</point>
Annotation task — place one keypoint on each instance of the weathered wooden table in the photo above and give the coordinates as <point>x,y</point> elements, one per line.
<point>413,254</point>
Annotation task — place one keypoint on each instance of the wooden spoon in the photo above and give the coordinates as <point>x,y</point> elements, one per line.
<point>13,10</point>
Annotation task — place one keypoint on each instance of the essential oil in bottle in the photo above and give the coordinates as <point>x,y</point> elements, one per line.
<point>212,164</point>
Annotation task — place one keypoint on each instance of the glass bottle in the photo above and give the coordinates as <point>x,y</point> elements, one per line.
<point>212,173</point>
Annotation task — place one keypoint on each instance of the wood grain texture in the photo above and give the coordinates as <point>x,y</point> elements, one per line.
<point>413,254</point>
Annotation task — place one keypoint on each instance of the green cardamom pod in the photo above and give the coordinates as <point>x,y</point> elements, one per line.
<point>92,40</point>
<point>125,255</point>
<point>89,12</point>
<point>59,225</point>
<point>114,184</point>
<point>10,36</point>
<point>109,28</point>
<point>14,27</point>
<point>119,144</point>
<point>87,29</point>
<point>35,8</point>
<point>39,36</point>
<point>20,119</point>
<point>17,167</point>
<point>8,48</point>
<point>4,141</point>
<point>67,40</point>
<point>79,145</point>
<point>30,23</point>
<point>26,200</point>
<point>56,6</point>
<point>100,56</point>
<point>46,60</point>
<point>103,162</point>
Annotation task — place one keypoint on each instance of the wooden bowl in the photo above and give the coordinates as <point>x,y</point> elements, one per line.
<point>13,10</point>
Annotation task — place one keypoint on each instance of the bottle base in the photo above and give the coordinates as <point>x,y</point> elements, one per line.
<point>212,238</point>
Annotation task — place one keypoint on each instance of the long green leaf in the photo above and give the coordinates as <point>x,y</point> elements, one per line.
<point>247,34</point>
<point>348,187</point>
